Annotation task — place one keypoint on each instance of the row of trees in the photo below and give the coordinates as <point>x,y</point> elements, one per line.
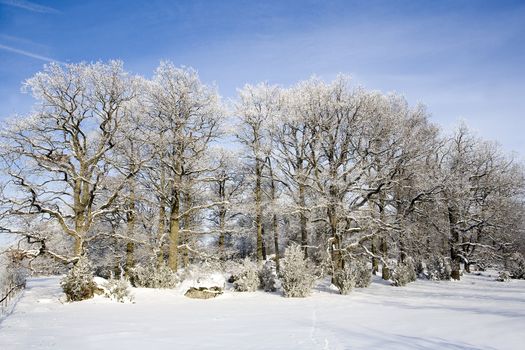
<point>129,170</point>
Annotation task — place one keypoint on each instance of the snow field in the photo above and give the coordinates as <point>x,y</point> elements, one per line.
<point>474,313</point>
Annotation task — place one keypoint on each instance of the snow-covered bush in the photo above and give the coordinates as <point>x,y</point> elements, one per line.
<point>356,273</point>
<point>344,279</point>
<point>404,273</point>
<point>421,269</point>
<point>11,275</point>
<point>363,273</point>
<point>247,279</point>
<point>516,266</point>
<point>438,268</point>
<point>297,279</point>
<point>268,276</point>
<point>151,276</point>
<point>18,276</point>
<point>322,259</point>
<point>118,289</point>
<point>482,265</point>
<point>78,284</point>
<point>230,268</point>
<point>503,276</point>
<point>12,279</point>
<point>207,276</point>
<point>455,270</point>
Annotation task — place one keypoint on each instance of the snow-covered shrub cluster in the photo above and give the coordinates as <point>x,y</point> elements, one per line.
<point>268,276</point>
<point>151,276</point>
<point>363,273</point>
<point>11,274</point>
<point>503,276</point>
<point>421,268</point>
<point>296,277</point>
<point>247,279</point>
<point>322,259</point>
<point>356,273</point>
<point>12,279</point>
<point>404,273</point>
<point>438,268</point>
<point>78,284</point>
<point>344,279</point>
<point>202,276</point>
<point>516,266</point>
<point>118,289</point>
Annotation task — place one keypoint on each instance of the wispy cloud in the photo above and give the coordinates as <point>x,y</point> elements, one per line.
<point>29,6</point>
<point>27,54</point>
<point>15,41</point>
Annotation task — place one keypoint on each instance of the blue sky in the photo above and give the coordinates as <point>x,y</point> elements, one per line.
<point>464,59</point>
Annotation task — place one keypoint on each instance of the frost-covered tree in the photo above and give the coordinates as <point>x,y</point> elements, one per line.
<point>186,115</point>
<point>257,107</point>
<point>227,184</point>
<point>59,160</point>
<point>292,143</point>
<point>481,196</point>
<point>150,172</point>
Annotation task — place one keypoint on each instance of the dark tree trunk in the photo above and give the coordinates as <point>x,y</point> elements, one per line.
<point>454,240</point>
<point>375,261</point>
<point>384,252</point>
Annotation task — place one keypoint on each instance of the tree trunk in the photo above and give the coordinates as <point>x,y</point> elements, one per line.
<point>258,210</point>
<point>130,261</point>
<point>79,203</point>
<point>467,267</point>
<point>375,261</point>
<point>335,247</point>
<point>162,218</point>
<point>454,239</point>
<point>222,227</point>
<point>222,214</point>
<point>384,252</point>
<point>302,220</point>
<point>274,218</point>
<point>79,246</point>
<point>275,240</point>
<point>302,203</point>
<point>160,233</point>
<point>131,218</point>
<point>117,268</point>
<point>173,257</point>
<point>402,250</point>
<point>187,226</point>
<point>385,271</point>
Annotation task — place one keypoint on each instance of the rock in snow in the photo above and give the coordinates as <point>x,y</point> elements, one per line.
<point>203,292</point>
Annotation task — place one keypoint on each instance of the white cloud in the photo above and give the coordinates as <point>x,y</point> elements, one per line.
<point>30,6</point>
<point>27,54</point>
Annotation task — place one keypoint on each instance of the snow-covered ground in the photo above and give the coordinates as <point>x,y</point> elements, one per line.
<point>475,313</point>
